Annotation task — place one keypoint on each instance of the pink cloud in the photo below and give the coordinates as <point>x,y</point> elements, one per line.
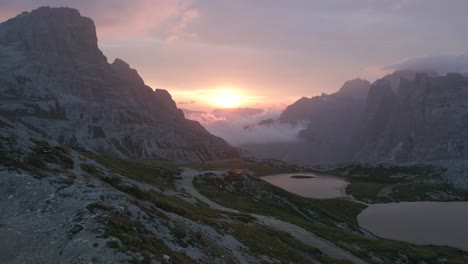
<point>180,30</point>
<point>146,17</point>
<point>162,18</point>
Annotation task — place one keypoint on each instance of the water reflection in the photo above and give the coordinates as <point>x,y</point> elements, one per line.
<point>318,186</point>
<point>420,223</point>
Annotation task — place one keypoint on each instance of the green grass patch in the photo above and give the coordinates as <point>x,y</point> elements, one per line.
<point>254,195</point>
<point>278,245</point>
<point>160,176</point>
<point>403,184</point>
<point>134,237</point>
<point>387,173</point>
<point>427,192</point>
<point>389,250</point>
<point>366,191</point>
<point>9,156</point>
<point>43,155</point>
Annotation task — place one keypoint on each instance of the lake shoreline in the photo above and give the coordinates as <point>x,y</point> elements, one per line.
<point>421,224</point>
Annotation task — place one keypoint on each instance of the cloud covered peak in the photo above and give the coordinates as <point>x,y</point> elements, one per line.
<point>434,64</point>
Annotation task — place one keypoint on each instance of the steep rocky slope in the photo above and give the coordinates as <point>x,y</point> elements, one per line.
<point>56,81</point>
<point>59,206</point>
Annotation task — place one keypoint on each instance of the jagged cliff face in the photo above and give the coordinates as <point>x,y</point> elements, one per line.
<point>56,81</point>
<point>352,94</point>
<point>332,119</point>
<point>405,116</point>
<point>425,118</point>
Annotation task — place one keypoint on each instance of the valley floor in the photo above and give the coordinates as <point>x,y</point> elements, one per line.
<point>295,231</point>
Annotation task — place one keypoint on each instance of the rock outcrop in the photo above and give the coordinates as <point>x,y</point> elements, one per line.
<point>56,81</point>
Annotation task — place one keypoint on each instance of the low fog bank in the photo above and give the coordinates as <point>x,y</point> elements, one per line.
<point>239,128</point>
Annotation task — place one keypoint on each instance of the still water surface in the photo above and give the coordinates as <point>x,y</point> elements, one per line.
<point>420,223</point>
<point>423,223</point>
<point>320,186</point>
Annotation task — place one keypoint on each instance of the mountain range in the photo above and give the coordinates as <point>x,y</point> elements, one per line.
<point>403,117</point>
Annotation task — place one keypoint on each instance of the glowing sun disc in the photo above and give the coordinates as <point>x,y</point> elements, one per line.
<point>226,98</point>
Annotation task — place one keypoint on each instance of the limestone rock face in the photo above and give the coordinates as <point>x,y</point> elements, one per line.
<point>56,81</point>
<point>426,118</point>
<point>60,34</point>
<point>331,122</point>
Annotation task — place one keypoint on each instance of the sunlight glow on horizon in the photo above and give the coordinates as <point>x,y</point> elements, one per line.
<point>226,98</point>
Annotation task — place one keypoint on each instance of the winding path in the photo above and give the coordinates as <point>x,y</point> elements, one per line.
<point>299,233</point>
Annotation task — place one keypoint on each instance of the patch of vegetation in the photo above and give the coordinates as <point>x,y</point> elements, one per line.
<point>254,195</point>
<point>386,173</point>
<point>160,176</point>
<point>173,204</point>
<point>43,154</point>
<point>384,184</point>
<point>9,156</point>
<point>135,238</point>
<point>280,245</point>
<point>427,192</point>
<point>75,230</point>
<point>169,203</point>
<point>260,168</point>
<point>4,124</point>
<point>65,181</point>
<point>45,158</point>
<point>91,169</point>
<point>113,244</point>
<point>366,191</point>
<point>390,251</point>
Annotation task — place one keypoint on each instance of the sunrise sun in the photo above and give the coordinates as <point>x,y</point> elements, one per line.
<point>226,98</point>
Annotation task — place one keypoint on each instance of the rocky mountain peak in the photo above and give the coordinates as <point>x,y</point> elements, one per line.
<point>164,100</point>
<point>393,80</point>
<point>455,76</point>
<point>357,87</point>
<point>125,72</point>
<point>54,33</point>
<point>57,82</point>
<point>297,111</point>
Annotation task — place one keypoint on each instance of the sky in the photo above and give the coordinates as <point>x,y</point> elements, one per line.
<point>269,53</point>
